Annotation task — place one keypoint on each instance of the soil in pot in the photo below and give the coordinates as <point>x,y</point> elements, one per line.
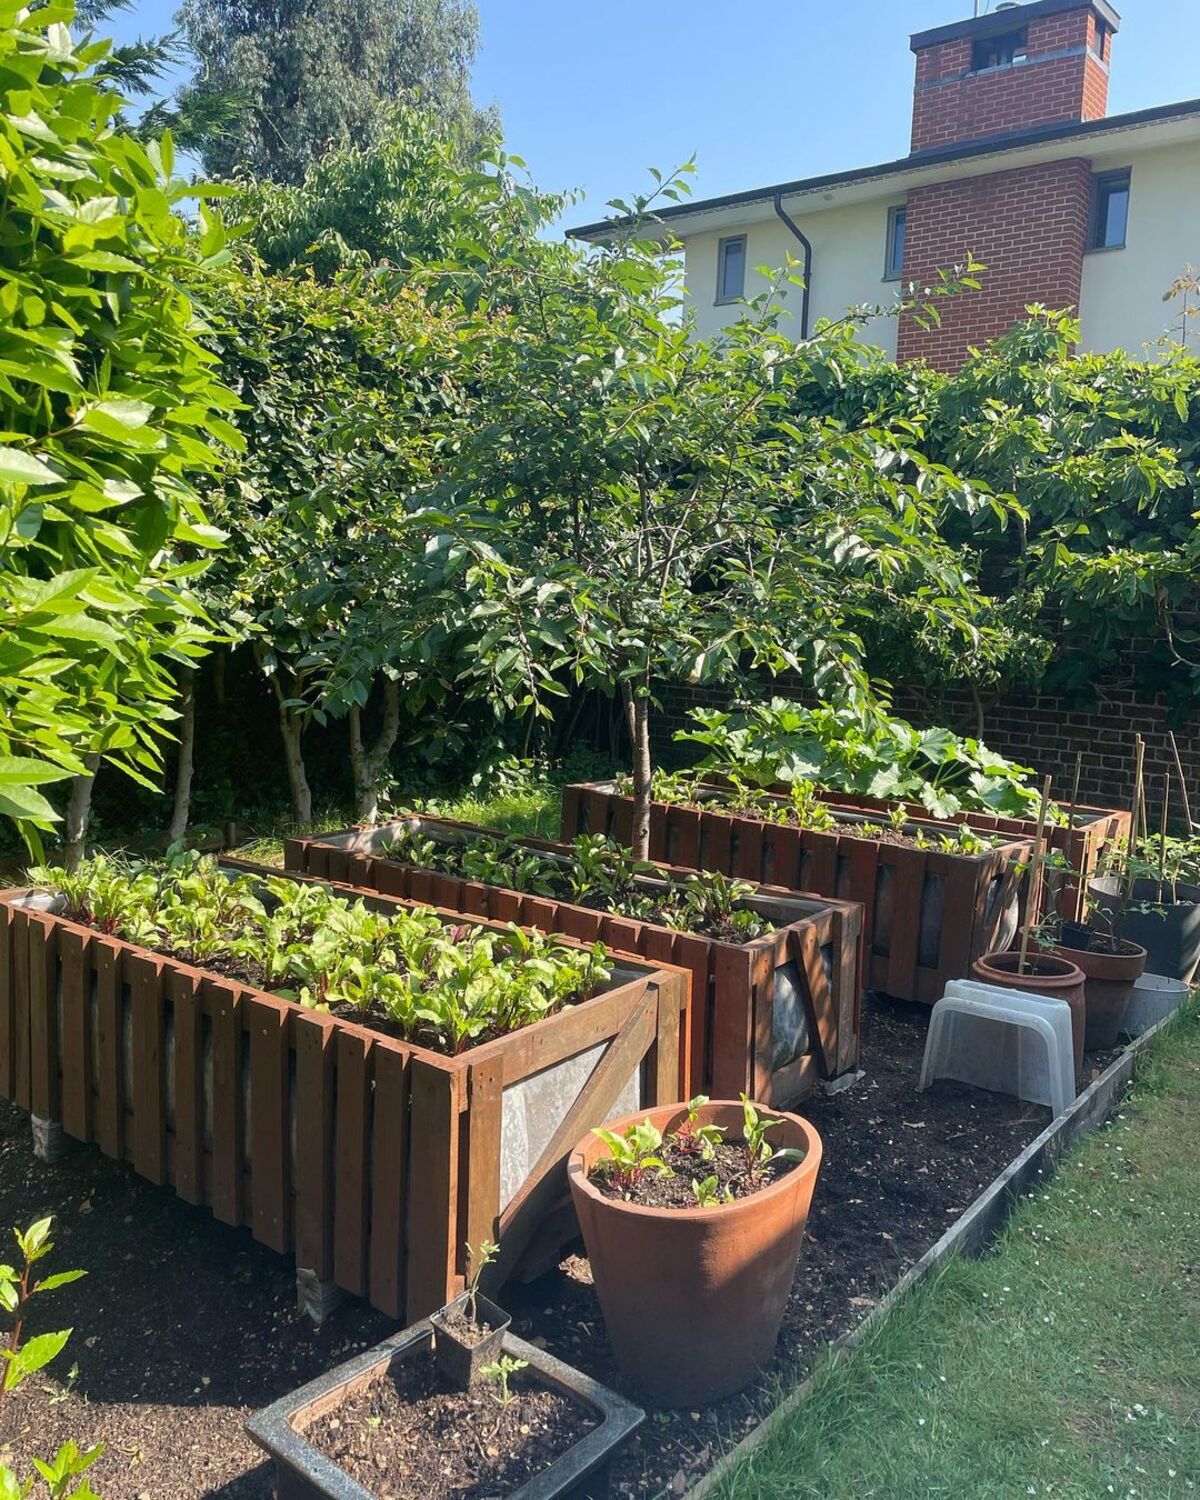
<point>727,1168</point>
<point>469,1333</point>
<point>693,1295</point>
<point>405,1436</point>
<point>1111,967</point>
<point>1043,974</point>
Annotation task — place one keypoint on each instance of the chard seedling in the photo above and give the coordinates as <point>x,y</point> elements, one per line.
<point>478,1261</point>
<point>694,1139</point>
<point>759,1155</point>
<point>710,1194</point>
<point>501,1372</point>
<point>634,1153</point>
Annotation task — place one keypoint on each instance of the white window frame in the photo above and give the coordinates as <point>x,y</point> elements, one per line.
<point>723,245</point>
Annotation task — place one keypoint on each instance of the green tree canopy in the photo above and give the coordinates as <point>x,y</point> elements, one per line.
<point>316,74</point>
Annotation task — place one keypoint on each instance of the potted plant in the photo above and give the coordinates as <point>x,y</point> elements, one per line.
<point>383,1423</point>
<point>470,1330</point>
<point>775,974</point>
<point>693,1216</point>
<point>1111,965</point>
<point>1155,902</point>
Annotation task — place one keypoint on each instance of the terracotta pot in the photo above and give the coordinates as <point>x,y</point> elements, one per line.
<point>693,1298</point>
<point>1109,980</point>
<point>1045,974</point>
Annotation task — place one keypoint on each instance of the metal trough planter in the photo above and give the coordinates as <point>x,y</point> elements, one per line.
<point>927,915</point>
<point>770,1018</point>
<point>374,1160</point>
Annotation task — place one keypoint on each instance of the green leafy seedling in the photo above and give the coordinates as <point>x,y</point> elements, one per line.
<point>500,1374</point>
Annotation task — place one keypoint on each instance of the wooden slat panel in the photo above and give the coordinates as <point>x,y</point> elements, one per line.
<point>621,934</point>
<point>806,950</point>
<point>476,899</point>
<point>683,838</point>
<point>669,1073</point>
<point>313,1037</point>
<point>447,892</point>
<point>146,1086</point>
<point>821,865</point>
<point>580,922</point>
<point>317,860</point>
<point>8,1010</point>
<point>958,919</point>
<point>506,906</point>
<point>748,850</point>
<point>351,1161</point>
<point>485,1093</point>
<point>270,1182</point>
<point>695,954</point>
<point>391,879</point>
<point>183,990</point>
<point>20,941</point>
<point>846,928</point>
<point>765,958</point>
<point>77,1062</point>
<point>296,855</point>
<point>660,836</point>
<point>221,1003</point>
<point>420,886</point>
<point>795,1082</point>
<point>535,912</point>
<point>783,856</point>
<point>45,1094</point>
<point>863,856</point>
<point>716,840</point>
<point>433,1229</point>
<point>621,828</point>
<point>733,1021</point>
<point>597,811</point>
<point>389,1181</point>
<point>337,864</point>
<point>907,900</point>
<point>572,812</point>
<point>110,1099</point>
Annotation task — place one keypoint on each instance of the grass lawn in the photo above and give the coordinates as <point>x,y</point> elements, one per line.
<point>1066,1363</point>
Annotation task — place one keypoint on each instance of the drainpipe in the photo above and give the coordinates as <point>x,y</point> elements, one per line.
<point>808,259</point>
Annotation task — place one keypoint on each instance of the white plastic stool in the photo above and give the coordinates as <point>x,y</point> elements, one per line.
<point>1008,1048</point>
<point>1038,1005</point>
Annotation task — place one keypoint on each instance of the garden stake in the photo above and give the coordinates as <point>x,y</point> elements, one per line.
<point>1061,875</point>
<point>1162,841</point>
<point>1187,801</point>
<point>1138,754</point>
<point>1031,901</point>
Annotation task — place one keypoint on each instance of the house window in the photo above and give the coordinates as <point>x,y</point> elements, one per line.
<point>731,268</point>
<point>893,263</point>
<point>1100,37</point>
<point>998,51</point>
<point>1110,210</point>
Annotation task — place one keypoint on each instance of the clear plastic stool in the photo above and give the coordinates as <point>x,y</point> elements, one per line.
<point>1005,1041</point>
<point>1039,1005</point>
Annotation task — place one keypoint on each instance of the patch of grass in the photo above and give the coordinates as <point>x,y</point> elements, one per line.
<point>1065,1363</point>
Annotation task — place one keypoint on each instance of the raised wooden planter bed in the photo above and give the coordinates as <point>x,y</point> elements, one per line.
<point>769,1018</point>
<point>375,1161</point>
<point>927,915</point>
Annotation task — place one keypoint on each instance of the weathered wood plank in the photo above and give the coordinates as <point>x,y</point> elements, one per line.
<point>76,1049</point>
<point>434,1237</point>
<point>314,1041</point>
<point>270,1179</point>
<point>389,1181</point>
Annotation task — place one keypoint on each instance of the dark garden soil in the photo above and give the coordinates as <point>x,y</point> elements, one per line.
<point>183,1326</point>
<point>656,1189</point>
<point>402,1437</point>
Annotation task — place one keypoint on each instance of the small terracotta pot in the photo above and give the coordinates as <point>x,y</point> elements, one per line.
<point>693,1297</point>
<point>1109,980</point>
<point>1045,974</point>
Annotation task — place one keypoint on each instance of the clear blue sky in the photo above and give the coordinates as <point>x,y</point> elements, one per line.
<point>592,92</point>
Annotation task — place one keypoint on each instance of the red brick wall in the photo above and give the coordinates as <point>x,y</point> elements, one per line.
<point>1028,227</point>
<point>951,104</point>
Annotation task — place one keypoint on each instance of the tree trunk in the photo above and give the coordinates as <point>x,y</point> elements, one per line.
<point>368,766</point>
<point>291,731</point>
<point>637,710</point>
<point>79,813</point>
<point>187,745</point>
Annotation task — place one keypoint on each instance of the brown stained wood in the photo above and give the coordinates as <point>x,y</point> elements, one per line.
<point>221,1004</point>
<point>783,856</point>
<point>539,913</point>
<point>389,1180</point>
<point>296,855</point>
<point>45,1095</point>
<point>683,832</point>
<point>732,1044</point>
<point>183,992</point>
<point>621,829</point>
<point>434,1237</point>
<point>958,922</point>
<point>475,899</point>
<point>863,856</point>
<point>749,850</point>
<point>420,886</point>
<point>317,860</point>
<point>485,1096</point>
<point>669,1067</point>
<point>806,951</point>
<point>846,943</point>
<point>908,889</point>
<point>821,866</point>
<point>694,953</point>
<point>147,1086</point>
<point>270,1175</point>
<point>110,1097</point>
<point>580,923</point>
<point>593,1107</point>
<point>660,836</point>
<point>337,864</point>
<point>76,1040</point>
<point>313,1037</point>
<point>763,975</point>
<point>360,869</point>
<point>791,1084</point>
<point>506,906</point>
<point>447,892</point>
<point>716,840</point>
<point>621,933</point>
<point>597,811</point>
<point>352,1183</point>
<point>391,879</point>
<point>572,812</point>
<point>8,1011</point>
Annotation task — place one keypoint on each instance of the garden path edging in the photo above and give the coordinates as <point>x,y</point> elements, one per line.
<point>970,1234</point>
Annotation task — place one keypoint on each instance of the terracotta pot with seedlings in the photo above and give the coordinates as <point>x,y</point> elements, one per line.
<point>693,1217</point>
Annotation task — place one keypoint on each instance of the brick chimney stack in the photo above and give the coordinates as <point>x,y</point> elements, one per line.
<point>1022,66</point>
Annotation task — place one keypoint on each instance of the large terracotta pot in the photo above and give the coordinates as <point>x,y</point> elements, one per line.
<point>1108,984</point>
<point>1045,974</point>
<point>693,1298</point>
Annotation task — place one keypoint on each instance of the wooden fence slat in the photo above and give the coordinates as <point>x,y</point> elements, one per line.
<point>695,953</point>
<point>732,1020</point>
<point>183,990</point>
<point>45,1094</point>
<point>748,851</point>
<point>908,890</point>
<point>392,879</point>
<point>485,1100</point>
<point>596,811</point>
<point>683,833</point>
<point>846,928</point>
<point>821,865</point>
<point>313,1036</point>
<point>572,812</point>
<point>433,1228</point>
<point>670,1070</point>
<point>716,840</point>
<point>763,963</point>
<point>784,856</point>
<point>352,1186</point>
<point>806,951</point>
<point>270,1184</point>
<point>146,1086</point>
<point>228,1114</point>
<point>863,857</point>
<point>20,936</point>
<point>389,1181</point>
<point>8,1012</point>
<point>110,1068</point>
<point>77,1061</point>
<point>621,829</point>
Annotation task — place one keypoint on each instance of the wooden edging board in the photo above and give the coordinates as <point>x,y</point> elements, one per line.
<point>970,1234</point>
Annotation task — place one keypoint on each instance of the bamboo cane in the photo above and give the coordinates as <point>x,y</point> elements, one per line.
<point>1136,823</point>
<point>1162,840</point>
<point>1031,897</point>
<point>1187,803</point>
<point>1070,873</point>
